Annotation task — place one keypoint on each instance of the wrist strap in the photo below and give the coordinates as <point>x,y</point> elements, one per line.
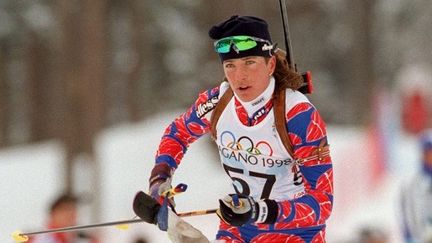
<point>262,212</point>
<point>160,172</point>
<point>267,211</point>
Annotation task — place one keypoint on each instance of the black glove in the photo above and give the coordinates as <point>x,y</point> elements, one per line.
<point>149,210</point>
<point>238,210</point>
<point>146,207</point>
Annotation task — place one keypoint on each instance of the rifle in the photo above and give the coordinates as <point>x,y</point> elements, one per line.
<point>307,87</point>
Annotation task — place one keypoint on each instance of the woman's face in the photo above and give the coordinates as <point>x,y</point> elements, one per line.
<point>249,76</point>
<point>64,215</point>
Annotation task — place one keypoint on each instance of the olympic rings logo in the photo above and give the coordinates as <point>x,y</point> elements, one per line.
<point>245,143</point>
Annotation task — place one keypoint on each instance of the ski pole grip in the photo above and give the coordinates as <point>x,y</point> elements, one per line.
<point>236,201</point>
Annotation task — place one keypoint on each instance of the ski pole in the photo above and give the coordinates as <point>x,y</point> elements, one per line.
<point>197,213</point>
<point>23,237</point>
<point>122,224</point>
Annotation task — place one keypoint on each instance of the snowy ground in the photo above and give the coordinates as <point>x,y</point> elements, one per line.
<point>31,175</point>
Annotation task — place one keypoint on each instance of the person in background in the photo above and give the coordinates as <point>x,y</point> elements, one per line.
<point>371,234</point>
<point>417,197</point>
<point>279,195</point>
<point>140,240</point>
<point>63,213</point>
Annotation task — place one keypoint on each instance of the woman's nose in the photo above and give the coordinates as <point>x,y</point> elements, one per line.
<point>241,73</point>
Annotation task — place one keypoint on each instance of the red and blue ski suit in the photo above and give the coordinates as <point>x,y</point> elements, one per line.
<point>300,218</point>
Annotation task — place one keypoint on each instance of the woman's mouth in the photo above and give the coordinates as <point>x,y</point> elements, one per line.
<point>243,88</point>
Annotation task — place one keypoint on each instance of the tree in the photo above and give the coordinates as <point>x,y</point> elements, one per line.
<point>82,66</point>
<point>361,79</point>
<point>4,102</point>
<point>38,89</point>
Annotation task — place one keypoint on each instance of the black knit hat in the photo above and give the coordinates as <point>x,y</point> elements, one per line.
<point>243,25</point>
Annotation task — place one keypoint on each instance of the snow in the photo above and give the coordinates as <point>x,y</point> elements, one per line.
<point>31,175</point>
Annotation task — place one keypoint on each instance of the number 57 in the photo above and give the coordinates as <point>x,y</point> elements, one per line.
<point>270,180</point>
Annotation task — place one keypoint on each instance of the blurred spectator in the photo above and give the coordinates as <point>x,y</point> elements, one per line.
<point>415,92</point>
<point>372,235</point>
<point>417,197</point>
<point>415,112</point>
<point>63,213</point>
<point>140,240</point>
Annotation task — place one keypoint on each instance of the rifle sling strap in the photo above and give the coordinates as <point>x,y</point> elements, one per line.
<point>223,102</point>
<point>280,121</point>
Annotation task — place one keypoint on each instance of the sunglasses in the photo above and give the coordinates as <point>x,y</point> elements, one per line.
<point>239,43</point>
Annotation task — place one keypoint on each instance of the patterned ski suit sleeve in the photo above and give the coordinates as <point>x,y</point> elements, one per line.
<point>186,129</point>
<point>307,131</point>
